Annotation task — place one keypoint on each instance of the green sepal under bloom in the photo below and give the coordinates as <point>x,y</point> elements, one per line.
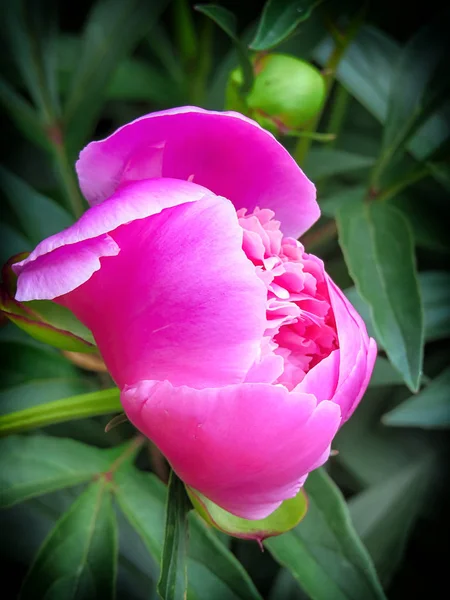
<point>285,518</point>
<point>43,320</point>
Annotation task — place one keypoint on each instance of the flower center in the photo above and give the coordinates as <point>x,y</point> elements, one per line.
<point>300,324</point>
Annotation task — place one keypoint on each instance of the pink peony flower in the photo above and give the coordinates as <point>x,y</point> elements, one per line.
<point>233,349</point>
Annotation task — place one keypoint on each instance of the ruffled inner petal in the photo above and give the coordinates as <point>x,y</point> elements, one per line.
<point>300,323</point>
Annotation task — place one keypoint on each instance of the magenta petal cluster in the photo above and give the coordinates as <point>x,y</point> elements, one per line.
<point>234,351</point>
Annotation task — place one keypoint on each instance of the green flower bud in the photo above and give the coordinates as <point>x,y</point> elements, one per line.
<point>286,94</point>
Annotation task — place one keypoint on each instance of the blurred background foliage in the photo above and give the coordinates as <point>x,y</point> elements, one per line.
<point>72,72</point>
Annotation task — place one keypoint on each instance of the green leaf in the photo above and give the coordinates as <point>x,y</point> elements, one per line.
<point>279,19</point>
<point>41,391</point>
<point>172,584</point>
<point>435,292</point>
<point>371,452</point>
<point>428,221</point>
<point>332,203</point>
<point>40,330</point>
<point>13,242</point>
<point>435,289</point>
<point>31,36</point>
<point>227,21</point>
<point>286,587</point>
<point>25,117</point>
<point>430,409</point>
<point>78,560</point>
<point>378,249</point>
<point>61,318</point>
<point>418,84</point>
<point>321,163</point>
<point>383,515</point>
<point>213,571</point>
<point>324,553</point>
<point>38,216</point>
<point>22,362</point>
<point>367,71</point>
<point>58,411</point>
<point>161,46</point>
<point>384,374</point>
<point>35,465</point>
<point>366,68</point>
<point>133,79</point>
<point>31,373</point>
<point>287,516</point>
<point>112,30</point>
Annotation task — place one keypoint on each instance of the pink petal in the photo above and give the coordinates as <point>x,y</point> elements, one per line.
<point>223,151</point>
<point>246,447</point>
<point>356,352</point>
<point>62,270</point>
<point>322,379</point>
<point>132,201</point>
<point>180,301</point>
<point>370,363</point>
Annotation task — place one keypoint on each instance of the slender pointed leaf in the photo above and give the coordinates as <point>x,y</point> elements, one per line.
<point>279,19</point>
<point>76,407</point>
<point>367,70</point>
<point>435,288</point>
<point>172,584</point>
<point>39,216</point>
<point>323,552</point>
<point>25,117</point>
<point>378,249</point>
<point>31,38</point>
<point>419,83</point>
<point>112,30</point>
<point>35,465</point>
<point>430,409</point>
<point>78,560</point>
<point>321,163</point>
<point>435,292</point>
<point>141,496</point>
<point>384,514</point>
<point>384,374</point>
<point>133,79</point>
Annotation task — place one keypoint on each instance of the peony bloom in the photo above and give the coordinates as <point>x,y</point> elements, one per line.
<point>234,351</point>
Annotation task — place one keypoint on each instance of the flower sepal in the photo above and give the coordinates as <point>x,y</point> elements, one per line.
<point>283,519</point>
<point>43,320</point>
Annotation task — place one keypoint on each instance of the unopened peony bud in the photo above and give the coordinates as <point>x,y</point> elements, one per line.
<point>286,94</point>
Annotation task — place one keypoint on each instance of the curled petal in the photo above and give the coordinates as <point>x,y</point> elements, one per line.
<point>62,270</point>
<point>245,447</point>
<point>357,352</point>
<point>180,301</point>
<point>61,262</point>
<point>224,151</point>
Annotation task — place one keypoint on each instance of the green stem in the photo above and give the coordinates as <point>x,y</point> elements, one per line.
<point>130,452</point>
<point>59,411</point>
<point>203,63</point>
<point>185,33</point>
<point>329,73</point>
<point>338,112</point>
<point>66,172</point>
